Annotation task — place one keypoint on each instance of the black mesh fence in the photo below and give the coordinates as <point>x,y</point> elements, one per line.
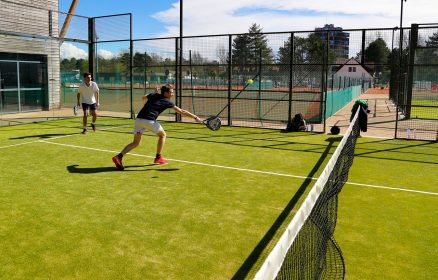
<point>419,103</point>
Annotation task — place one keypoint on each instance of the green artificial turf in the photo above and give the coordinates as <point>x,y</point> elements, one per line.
<point>425,109</point>
<point>66,212</point>
<point>390,233</point>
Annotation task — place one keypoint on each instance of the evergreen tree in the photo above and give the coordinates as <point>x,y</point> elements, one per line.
<point>241,50</point>
<point>308,53</point>
<point>428,56</point>
<point>259,45</point>
<point>306,50</point>
<point>432,41</point>
<point>250,48</point>
<point>377,54</point>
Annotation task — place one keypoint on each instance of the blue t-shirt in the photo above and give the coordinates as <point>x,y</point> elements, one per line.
<point>155,105</point>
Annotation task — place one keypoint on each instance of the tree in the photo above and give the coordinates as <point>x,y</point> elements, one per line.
<point>74,64</point>
<point>428,56</point>
<point>377,53</point>
<point>241,50</point>
<point>259,45</point>
<point>222,54</point>
<point>432,41</point>
<point>251,48</point>
<point>197,58</point>
<point>306,50</point>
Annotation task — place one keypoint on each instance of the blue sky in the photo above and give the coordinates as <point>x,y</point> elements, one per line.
<point>144,25</point>
<point>160,18</point>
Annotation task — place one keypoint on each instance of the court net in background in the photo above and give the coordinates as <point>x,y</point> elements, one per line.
<point>307,249</point>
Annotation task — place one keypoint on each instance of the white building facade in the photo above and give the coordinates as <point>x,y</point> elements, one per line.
<point>29,56</point>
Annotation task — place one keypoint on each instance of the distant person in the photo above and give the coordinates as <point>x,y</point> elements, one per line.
<point>155,104</point>
<point>88,92</point>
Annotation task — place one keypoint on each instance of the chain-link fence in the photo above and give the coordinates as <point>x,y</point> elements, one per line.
<point>418,102</point>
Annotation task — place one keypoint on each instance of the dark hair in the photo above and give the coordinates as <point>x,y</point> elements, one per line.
<point>86,74</point>
<point>166,88</point>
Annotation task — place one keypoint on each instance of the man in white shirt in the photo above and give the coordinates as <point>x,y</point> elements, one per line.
<point>89,93</point>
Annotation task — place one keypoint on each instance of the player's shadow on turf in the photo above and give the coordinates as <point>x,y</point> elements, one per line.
<point>252,258</point>
<point>89,170</point>
<point>41,136</point>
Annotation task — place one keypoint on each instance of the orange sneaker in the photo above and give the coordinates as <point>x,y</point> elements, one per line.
<point>160,161</point>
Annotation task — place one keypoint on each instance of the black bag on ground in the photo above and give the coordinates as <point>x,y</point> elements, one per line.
<point>296,124</point>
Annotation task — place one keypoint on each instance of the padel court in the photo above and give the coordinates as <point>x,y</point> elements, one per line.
<point>214,212</point>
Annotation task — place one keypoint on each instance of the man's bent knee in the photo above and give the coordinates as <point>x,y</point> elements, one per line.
<point>161,134</point>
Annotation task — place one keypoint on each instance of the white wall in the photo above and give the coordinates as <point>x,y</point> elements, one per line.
<point>359,71</point>
<point>15,18</point>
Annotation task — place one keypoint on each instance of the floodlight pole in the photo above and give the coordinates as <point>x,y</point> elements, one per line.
<point>401,34</point>
<point>400,48</point>
<point>401,25</point>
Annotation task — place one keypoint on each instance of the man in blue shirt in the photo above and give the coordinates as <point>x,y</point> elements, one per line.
<point>147,120</point>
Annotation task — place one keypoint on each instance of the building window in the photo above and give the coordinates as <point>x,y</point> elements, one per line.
<point>23,82</point>
<point>351,69</point>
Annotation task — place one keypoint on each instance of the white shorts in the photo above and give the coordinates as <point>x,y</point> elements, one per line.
<point>141,125</point>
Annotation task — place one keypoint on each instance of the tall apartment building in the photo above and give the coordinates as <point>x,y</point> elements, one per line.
<point>339,41</point>
<point>29,56</point>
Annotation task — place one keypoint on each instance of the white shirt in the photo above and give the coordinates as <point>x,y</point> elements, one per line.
<point>88,94</point>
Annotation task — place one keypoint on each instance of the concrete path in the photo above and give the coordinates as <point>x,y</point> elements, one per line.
<point>381,119</point>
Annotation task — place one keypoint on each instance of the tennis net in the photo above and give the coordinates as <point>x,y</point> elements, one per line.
<point>307,249</point>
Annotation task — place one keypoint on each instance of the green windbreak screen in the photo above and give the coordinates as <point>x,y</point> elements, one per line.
<point>339,98</point>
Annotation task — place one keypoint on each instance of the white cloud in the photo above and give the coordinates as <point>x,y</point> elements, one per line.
<point>105,54</point>
<point>205,17</point>
<point>68,50</point>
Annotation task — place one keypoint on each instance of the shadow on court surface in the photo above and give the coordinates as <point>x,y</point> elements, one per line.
<point>248,264</point>
<point>90,170</point>
<point>42,136</point>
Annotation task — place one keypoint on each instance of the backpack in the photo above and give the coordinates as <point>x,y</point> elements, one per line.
<point>297,124</point>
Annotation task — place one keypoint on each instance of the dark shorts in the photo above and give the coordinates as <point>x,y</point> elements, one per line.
<point>85,106</point>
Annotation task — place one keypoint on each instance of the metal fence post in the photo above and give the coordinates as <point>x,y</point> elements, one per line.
<point>230,46</point>
<point>131,72</point>
<point>91,45</point>
<point>291,77</point>
<point>410,66</point>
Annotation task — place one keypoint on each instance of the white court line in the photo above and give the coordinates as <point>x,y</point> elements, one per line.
<point>241,169</point>
<point>58,137</point>
<point>389,188</point>
<point>14,145</point>
<point>185,161</point>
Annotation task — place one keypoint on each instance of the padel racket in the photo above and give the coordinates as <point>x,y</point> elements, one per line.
<point>75,110</point>
<point>214,122</point>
